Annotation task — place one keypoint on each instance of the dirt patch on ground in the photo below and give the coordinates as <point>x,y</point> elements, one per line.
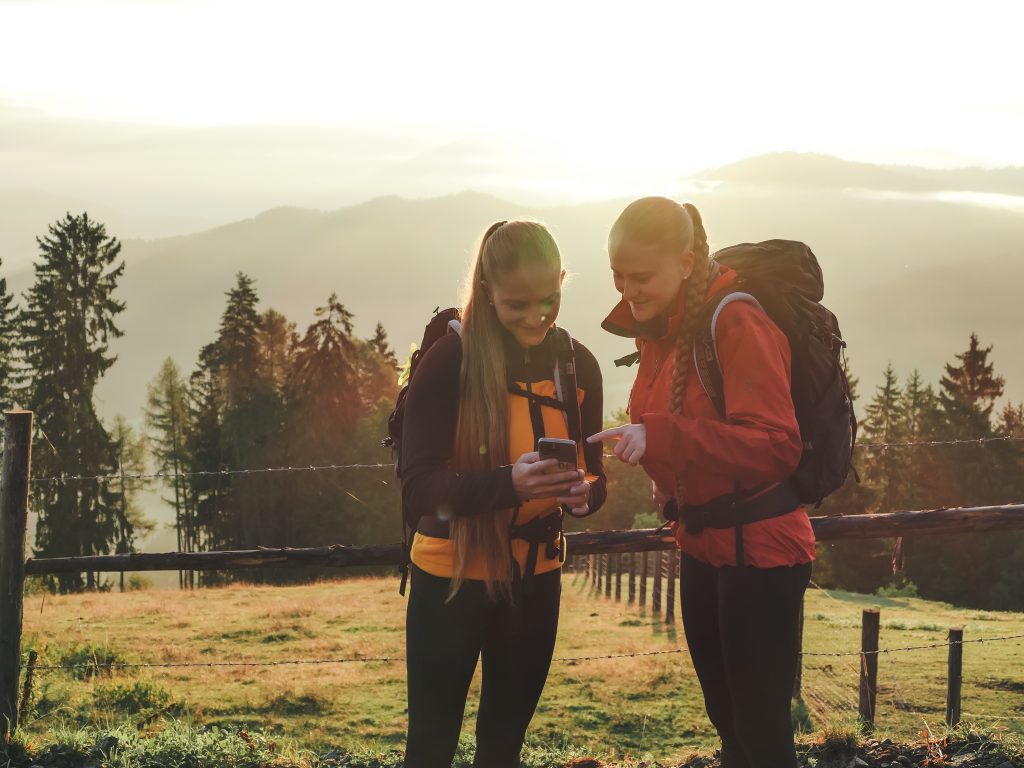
<point>969,753</point>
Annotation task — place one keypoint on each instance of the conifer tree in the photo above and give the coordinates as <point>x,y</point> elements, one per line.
<point>167,421</point>
<point>885,425</point>
<point>65,330</point>
<point>8,333</point>
<point>130,449</point>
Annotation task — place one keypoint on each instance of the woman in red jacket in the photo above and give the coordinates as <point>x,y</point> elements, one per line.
<point>747,543</point>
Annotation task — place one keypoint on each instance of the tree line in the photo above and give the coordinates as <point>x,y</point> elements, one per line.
<point>263,395</point>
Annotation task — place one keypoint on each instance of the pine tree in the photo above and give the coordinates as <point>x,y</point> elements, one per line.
<point>378,370</point>
<point>252,416</point>
<point>925,470</point>
<point>8,333</point>
<point>277,341</point>
<point>131,461</point>
<point>324,380</point>
<point>167,420</point>
<point>969,392</point>
<point>206,487</point>
<point>65,330</point>
<point>963,569</point>
<point>325,406</point>
<point>887,467</point>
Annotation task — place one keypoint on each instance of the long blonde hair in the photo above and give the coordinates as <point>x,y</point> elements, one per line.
<point>664,222</point>
<point>482,430</point>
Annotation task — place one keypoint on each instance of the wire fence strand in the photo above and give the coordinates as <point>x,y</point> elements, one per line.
<point>566,659</point>
<point>387,465</point>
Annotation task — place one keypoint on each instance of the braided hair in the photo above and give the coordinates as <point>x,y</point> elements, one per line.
<point>696,285</point>
<point>661,221</point>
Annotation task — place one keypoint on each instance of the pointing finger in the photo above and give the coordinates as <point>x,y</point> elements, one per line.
<point>608,434</point>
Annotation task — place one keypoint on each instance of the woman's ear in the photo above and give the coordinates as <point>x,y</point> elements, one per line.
<point>687,260</point>
<point>487,292</point>
<point>561,277</point>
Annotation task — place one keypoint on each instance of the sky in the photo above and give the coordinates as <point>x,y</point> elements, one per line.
<point>187,113</point>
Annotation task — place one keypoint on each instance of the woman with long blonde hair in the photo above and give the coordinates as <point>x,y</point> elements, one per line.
<point>487,553</point>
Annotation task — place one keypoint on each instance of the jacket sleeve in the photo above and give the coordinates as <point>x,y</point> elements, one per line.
<point>759,440</point>
<point>588,378</point>
<point>429,485</point>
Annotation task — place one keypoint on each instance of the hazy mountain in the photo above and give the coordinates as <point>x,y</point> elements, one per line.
<point>808,169</point>
<point>909,279</point>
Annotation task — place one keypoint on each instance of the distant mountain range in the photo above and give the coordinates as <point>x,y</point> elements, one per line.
<point>825,171</point>
<point>910,278</point>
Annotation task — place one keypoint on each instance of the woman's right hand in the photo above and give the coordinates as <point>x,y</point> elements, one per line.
<point>532,478</point>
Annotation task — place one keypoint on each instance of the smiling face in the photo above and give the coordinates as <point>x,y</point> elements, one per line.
<point>527,299</point>
<point>649,276</point>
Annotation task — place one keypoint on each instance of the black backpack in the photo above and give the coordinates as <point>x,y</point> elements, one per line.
<point>783,277</point>
<point>441,324</point>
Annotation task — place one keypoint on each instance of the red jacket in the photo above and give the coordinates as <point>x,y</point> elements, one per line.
<point>757,443</point>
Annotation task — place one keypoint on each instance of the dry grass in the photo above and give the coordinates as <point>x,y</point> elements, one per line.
<point>620,706</point>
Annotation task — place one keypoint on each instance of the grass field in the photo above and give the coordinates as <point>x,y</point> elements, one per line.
<point>628,706</point>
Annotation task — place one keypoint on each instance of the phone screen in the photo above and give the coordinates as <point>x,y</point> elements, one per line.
<point>557,448</point>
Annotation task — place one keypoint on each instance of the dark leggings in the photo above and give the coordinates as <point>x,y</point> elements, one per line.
<point>742,629</point>
<point>444,641</point>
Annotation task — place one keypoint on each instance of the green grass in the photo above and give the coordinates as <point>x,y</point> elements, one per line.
<point>619,708</point>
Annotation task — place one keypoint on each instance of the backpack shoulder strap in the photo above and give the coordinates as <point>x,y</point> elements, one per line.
<point>705,348</point>
<point>565,385</point>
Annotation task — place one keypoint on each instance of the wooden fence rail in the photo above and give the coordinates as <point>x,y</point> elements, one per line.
<point>880,526</point>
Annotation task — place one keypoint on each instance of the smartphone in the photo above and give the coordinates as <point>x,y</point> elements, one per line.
<point>557,448</point>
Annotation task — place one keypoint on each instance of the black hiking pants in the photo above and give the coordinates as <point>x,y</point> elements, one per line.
<point>444,640</point>
<point>742,629</point>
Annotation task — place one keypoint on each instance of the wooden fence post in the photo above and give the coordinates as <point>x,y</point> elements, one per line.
<point>954,675</point>
<point>608,576</point>
<point>798,680</point>
<point>14,477</point>
<point>644,561</point>
<point>659,567</point>
<point>618,577</point>
<point>632,577</point>
<point>670,584</point>
<point>870,622</point>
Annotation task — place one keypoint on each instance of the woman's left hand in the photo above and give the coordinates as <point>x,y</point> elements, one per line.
<point>632,441</point>
<point>578,500</point>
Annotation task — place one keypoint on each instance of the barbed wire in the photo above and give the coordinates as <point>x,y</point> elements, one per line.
<point>932,443</point>
<point>210,473</point>
<point>357,659</point>
<point>341,467</point>
<point>394,659</point>
<point>945,644</point>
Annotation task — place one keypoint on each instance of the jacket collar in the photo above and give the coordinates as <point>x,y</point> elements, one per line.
<point>517,357</point>
<point>620,320</point>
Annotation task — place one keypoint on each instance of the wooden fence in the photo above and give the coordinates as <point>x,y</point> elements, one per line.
<point>605,571</point>
<point>604,574</point>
